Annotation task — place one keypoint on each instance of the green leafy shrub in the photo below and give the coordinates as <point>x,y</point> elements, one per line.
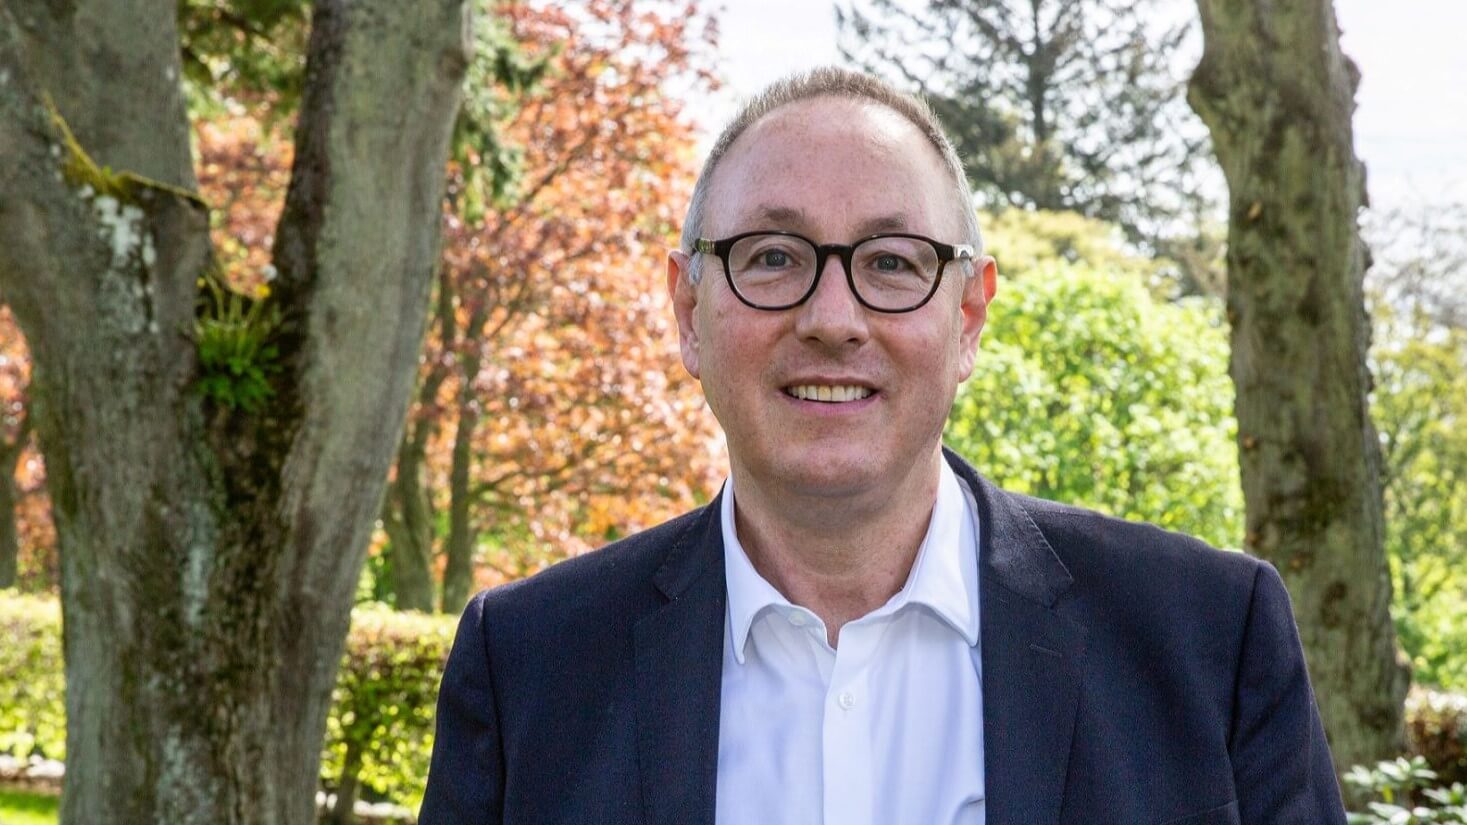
<point>380,732</point>
<point>1083,363</point>
<point>1090,390</point>
<point>1419,404</point>
<point>1405,796</point>
<point>32,679</point>
<point>380,728</point>
<point>1025,241</point>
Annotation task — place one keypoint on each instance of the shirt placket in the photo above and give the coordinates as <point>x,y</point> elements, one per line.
<point>847,760</point>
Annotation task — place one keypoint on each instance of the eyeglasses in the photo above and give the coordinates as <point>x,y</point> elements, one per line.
<point>890,272</point>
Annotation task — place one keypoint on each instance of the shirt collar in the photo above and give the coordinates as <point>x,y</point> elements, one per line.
<point>748,592</point>
<point>944,576</point>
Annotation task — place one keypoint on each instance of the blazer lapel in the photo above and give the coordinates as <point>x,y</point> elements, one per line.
<point>1031,661</point>
<point>679,675</point>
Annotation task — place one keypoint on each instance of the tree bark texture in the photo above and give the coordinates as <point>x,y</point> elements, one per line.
<point>9,543</point>
<point>10,453</point>
<point>209,555</point>
<point>1278,96</point>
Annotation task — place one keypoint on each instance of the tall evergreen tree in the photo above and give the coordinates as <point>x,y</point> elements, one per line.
<point>1053,104</point>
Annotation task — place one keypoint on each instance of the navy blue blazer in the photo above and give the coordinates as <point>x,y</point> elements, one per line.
<point>1130,676</point>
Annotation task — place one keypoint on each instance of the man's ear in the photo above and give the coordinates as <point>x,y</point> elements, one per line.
<point>978,291</point>
<point>684,295</point>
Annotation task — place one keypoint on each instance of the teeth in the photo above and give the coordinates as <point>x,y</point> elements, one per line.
<point>827,393</point>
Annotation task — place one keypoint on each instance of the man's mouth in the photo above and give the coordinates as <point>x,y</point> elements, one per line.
<point>828,393</point>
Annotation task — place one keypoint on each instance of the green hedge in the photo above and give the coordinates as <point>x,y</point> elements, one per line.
<point>32,709</point>
<point>381,722</point>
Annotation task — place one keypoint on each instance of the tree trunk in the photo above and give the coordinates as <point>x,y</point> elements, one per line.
<point>458,573</point>
<point>1277,95</point>
<point>343,811</point>
<point>210,553</point>
<point>9,497</point>
<point>9,541</point>
<point>409,526</point>
<point>407,510</point>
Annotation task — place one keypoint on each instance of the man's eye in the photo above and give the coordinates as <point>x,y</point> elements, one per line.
<point>773,259</point>
<point>890,263</point>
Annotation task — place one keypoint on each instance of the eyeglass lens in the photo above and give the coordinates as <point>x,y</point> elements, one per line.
<point>889,273</point>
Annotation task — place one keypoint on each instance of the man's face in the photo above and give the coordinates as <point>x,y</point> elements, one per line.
<point>834,170</point>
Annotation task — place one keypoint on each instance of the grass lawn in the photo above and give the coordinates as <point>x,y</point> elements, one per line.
<point>21,808</point>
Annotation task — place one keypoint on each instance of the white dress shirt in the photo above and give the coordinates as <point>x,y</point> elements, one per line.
<point>886,729</point>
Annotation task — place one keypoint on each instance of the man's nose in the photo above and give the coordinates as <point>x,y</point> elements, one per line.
<point>832,315</point>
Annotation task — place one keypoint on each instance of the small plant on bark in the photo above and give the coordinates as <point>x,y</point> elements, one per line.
<point>237,359</point>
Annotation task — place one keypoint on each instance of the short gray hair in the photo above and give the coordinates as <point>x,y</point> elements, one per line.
<point>828,81</point>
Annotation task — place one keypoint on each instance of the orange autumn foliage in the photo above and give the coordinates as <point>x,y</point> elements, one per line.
<point>589,426</point>
<point>584,424</point>
<point>37,566</point>
<point>243,172</point>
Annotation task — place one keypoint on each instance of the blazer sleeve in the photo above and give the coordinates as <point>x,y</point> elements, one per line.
<point>1281,762</point>
<point>466,774</point>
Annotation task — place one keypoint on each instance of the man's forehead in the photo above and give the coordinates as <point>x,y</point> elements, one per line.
<point>774,215</point>
<point>807,160</point>
<point>867,122</point>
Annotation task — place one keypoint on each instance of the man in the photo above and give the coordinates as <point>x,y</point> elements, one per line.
<point>860,629</point>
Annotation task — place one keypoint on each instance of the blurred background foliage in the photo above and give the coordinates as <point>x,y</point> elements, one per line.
<point>1418,303</point>
<point>556,264</point>
<point>1097,385</point>
<point>379,734</point>
<point>552,414</point>
<point>1093,390</point>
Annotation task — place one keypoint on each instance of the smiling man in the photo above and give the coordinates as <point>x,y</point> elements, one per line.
<point>860,629</point>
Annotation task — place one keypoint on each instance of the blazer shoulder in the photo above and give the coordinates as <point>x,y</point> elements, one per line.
<point>1091,541</point>
<point>1093,544</point>
<point>1139,589</point>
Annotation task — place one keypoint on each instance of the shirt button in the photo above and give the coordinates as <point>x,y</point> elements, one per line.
<point>846,700</point>
<point>797,619</point>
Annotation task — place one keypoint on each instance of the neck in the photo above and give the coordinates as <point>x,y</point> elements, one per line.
<point>839,557</point>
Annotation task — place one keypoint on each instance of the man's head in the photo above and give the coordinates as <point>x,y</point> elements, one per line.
<point>831,82</point>
<point>834,157</point>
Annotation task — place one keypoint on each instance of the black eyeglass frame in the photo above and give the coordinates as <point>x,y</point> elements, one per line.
<point>945,254</point>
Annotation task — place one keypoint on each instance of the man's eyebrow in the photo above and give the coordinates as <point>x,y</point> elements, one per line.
<point>781,216</point>
<point>895,222</point>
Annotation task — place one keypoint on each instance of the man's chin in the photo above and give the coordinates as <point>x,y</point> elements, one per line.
<point>829,474</point>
